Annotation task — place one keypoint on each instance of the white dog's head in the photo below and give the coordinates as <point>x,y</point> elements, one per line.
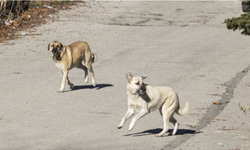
<point>135,84</point>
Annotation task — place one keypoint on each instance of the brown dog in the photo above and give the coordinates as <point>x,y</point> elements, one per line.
<point>67,57</point>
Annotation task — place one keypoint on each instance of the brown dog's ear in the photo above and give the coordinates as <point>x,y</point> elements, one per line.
<point>143,77</point>
<point>61,46</point>
<point>129,77</point>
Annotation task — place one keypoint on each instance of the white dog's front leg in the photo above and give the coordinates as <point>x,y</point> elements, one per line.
<point>137,116</point>
<point>128,114</point>
<point>65,75</point>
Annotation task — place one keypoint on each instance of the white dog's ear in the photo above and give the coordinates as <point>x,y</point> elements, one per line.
<point>143,77</point>
<point>129,77</point>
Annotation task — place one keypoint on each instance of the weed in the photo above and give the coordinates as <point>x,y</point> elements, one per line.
<point>244,109</point>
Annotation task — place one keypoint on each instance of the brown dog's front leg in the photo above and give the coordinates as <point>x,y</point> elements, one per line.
<point>65,75</point>
<point>69,83</point>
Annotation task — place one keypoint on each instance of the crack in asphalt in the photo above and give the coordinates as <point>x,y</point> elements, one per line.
<point>213,111</point>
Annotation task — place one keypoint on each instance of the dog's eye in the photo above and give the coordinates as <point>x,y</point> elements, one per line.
<point>137,83</point>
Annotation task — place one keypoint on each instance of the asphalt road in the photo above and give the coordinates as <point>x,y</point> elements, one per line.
<point>184,45</point>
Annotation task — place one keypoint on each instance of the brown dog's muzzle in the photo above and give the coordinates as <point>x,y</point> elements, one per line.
<point>54,51</point>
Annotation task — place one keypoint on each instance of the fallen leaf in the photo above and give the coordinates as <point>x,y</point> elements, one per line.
<point>17,72</point>
<point>202,108</point>
<point>215,94</point>
<point>192,126</point>
<point>248,84</point>
<point>217,103</point>
<point>200,75</point>
<point>225,129</point>
<point>220,119</point>
<point>8,43</point>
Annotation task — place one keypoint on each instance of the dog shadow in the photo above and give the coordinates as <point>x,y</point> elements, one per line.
<point>97,87</point>
<point>158,130</point>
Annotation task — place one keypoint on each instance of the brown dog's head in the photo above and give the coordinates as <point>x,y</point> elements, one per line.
<point>56,48</point>
<point>135,84</point>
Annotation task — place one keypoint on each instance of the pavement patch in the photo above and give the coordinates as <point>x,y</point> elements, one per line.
<point>213,111</point>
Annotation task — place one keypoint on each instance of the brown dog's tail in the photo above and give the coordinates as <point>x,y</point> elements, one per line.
<point>94,57</point>
<point>184,110</point>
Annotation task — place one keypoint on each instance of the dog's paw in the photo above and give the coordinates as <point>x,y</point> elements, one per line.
<point>94,82</point>
<point>72,86</point>
<point>87,79</point>
<point>60,90</point>
<point>158,135</point>
<point>119,127</point>
<point>130,128</point>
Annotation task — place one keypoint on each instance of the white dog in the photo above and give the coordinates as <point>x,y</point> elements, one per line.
<point>144,99</point>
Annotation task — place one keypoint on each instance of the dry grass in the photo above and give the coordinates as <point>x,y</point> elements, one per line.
<point>19,15</point>
<point>9,10</point>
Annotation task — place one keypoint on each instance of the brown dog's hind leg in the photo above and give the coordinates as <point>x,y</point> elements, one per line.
<point>89,66</point>
<point>81,66</point>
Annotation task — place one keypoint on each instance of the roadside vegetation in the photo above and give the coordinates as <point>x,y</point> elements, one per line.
<point>17,16</point>
<point>241,23</point>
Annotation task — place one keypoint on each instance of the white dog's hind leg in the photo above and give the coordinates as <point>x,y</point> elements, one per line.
<point>176,125</point>
<point>167,112</point>
<point>166,117</point>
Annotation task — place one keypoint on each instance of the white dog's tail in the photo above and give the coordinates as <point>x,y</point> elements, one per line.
<point>94,57</point>
<point>184,110</point>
